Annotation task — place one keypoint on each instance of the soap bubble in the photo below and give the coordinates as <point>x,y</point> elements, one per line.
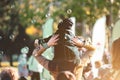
<point>47,15</point>
<point>69,11</point>
<point>0,37</point>
<point>1,52</point>
<point>33,21</point>
<point>12,37</point>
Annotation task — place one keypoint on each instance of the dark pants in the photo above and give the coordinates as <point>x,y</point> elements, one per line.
<point>35,76</point>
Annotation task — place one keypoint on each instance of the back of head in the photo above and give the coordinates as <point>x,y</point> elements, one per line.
<point>22,78</point>
<point>115,54</point>
<point>8,74</point>
<point>65,24</point>
<point>66,75</point>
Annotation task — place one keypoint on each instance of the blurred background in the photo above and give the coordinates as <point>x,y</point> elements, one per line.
<point>22,21</point>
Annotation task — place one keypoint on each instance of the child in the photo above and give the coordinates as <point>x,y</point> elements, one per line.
<point>22,63</point>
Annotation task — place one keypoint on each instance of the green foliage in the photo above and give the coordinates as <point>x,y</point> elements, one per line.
<point>33,12</point>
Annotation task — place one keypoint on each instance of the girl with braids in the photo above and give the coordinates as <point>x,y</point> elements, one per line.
<point>66,52</point>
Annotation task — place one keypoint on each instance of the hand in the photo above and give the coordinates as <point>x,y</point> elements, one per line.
<point>79,42</point>
<point>36,44</point>
<point>53,40</point>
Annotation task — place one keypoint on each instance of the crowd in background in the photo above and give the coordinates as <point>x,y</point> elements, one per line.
<point>106,69</point>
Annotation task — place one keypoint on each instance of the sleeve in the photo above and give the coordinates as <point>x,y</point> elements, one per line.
<point>43,61</point>
<point>45,40</point>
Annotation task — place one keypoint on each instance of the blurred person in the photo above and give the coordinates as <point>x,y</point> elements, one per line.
<point>22,63</point>
<point>87,72</point>
<point>22,78</point>
<point>34,67</point>
<point>66,52</point>
<point>86,51</point>
<point>103,71</point>
<point>9,73</point>
<point>101,40</point>
<point>66,75</point>
<point>115,58</point>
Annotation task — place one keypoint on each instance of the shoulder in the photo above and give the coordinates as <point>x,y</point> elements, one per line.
<point>116,75</point>
<point>117,41</point>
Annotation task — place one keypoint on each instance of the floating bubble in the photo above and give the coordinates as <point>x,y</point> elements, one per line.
<point>12,6</point>
<point>1,52</point>
<point>33,21</point>
<point>0,37</point>
<point>24,39</point>
<point>47,15</point>
<point>69,11</point>
<point>11,36</point>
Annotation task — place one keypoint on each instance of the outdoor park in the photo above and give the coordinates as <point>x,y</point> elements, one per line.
<point>23,21</point>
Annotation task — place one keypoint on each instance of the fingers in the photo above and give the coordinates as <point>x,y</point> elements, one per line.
<point>56,39</point>
<point>77,42</point>
<point>53,40</point>
<point>73,41</point>
<point>36,43</point>
<point>55,36</point>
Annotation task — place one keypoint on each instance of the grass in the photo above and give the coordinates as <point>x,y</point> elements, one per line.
<point>6,64</point>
